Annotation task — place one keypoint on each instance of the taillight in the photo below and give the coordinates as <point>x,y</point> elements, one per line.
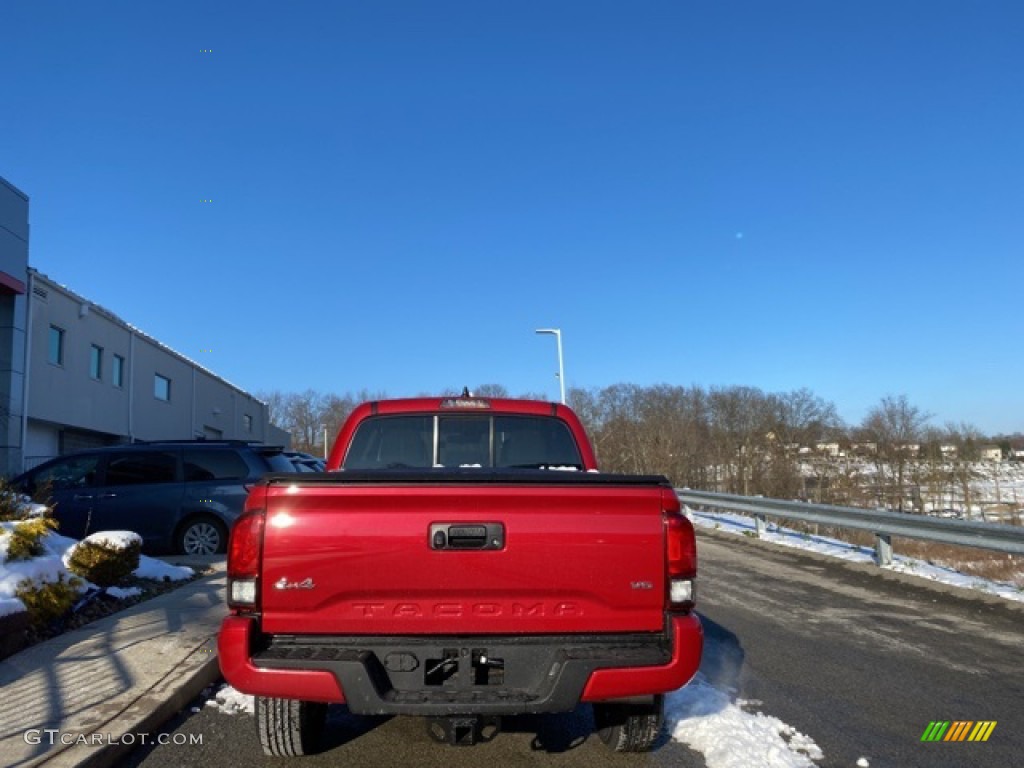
<point>680,562</point>
<point>244,550</point>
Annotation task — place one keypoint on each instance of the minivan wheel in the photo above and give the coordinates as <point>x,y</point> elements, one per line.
<point>202,536</point>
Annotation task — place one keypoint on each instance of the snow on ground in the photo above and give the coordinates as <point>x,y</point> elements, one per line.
<point>230,702</point>
<point>9,605</point>
<point>46,567</point>
<point>52,563</point>
<point>708,721</point>
<point>151,568</point>
<point>122,594</point>
<point>730,522</point>
<point>995,487</point>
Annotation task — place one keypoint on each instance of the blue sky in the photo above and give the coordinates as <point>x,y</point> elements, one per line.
<point>773,194</point>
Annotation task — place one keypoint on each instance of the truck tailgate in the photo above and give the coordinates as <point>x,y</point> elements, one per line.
<point>362,559</point>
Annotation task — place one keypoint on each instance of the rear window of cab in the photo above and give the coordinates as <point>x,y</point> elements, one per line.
<point>463,440</point>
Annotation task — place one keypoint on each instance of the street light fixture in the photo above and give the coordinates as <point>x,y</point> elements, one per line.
<point>557,333</point>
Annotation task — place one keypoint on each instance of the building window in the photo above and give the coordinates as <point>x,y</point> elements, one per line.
<point>117,371</point>
<point>247,423</point>
<point>96,362</point>
<point>56,353</point>
<point>162,388</point>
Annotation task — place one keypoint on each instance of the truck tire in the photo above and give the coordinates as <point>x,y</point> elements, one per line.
<point>289,728</point>
<point>202,535</point>
<point>630,727</point>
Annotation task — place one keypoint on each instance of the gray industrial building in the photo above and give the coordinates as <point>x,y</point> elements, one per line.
<point>73,375</point>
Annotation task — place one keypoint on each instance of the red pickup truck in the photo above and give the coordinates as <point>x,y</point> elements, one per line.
<point>461,559</point>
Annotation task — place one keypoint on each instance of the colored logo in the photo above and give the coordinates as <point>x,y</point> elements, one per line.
<point>958,730</point>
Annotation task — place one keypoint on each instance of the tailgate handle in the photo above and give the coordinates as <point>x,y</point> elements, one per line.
<point>467,536</point>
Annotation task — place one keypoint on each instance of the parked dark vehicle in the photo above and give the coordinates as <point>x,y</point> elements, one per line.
<point>179,496</point>
<point>305,462</point>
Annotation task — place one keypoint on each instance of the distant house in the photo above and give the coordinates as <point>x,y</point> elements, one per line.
<point>947,450</point>
<point>1016,455</point>
<point>828,449</point>
<point>864,449</point>
<point>911,449</point>
<point>991,453</point>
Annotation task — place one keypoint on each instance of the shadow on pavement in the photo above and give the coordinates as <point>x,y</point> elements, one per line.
<point>343,727</point>
<point>723,656</point>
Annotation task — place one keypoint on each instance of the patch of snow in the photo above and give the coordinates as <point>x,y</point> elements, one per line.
<point>121,594</point>
<point>705,719</point>
<point>25,505</point>
<point>151,568</point>
<point>52,564</point>
<point>735,523</point>
<point>47,567</point>
<point>863,763</point>
<point>9,605</point>
<point>32,509</point>
<point>231,702</point>
<point>114,539</point>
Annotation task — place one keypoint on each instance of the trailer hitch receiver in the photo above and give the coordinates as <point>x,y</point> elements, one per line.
<point>463,731</point>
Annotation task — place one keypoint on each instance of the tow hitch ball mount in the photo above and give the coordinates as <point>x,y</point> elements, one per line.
<point>463,731</point>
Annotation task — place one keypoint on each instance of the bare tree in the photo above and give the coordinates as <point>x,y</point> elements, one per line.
<point>966,439</point>
<point>896,426</point>
<point>304,416</point>
<point>491,390</point>
<point>801,418</point>
<point>275,400</point>
<point>741,421</point>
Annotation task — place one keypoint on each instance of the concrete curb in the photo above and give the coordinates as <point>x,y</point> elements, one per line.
<point>150,711</point>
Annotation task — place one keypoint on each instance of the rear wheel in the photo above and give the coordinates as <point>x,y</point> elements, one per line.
<point>289,728</point>
<point>202,536</point>
<point>630,727</point>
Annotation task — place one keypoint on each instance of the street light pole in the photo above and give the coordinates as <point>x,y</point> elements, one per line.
<point>557,333</point>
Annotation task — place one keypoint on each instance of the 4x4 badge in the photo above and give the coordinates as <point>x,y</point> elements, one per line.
<point>283,583</point>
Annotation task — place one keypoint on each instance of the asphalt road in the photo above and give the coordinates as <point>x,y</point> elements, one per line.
<point>858,662</point>
<point>230,741</point>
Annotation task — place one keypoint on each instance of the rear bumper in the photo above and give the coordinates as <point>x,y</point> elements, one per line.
<point>687,645</point>
<point>438,676</point>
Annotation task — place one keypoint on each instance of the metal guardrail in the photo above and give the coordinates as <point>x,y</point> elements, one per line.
<point>883,523</point>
